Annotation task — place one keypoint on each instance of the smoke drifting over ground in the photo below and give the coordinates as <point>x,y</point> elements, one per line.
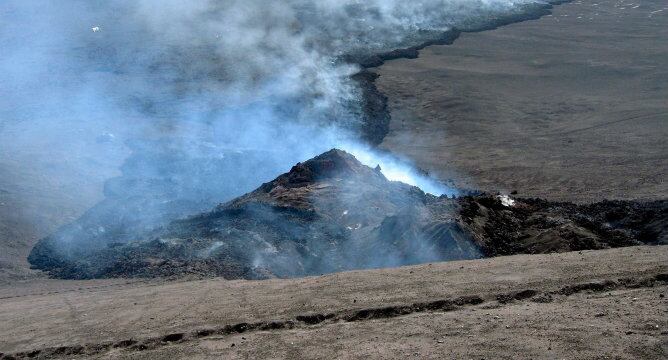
<point>212,97</point>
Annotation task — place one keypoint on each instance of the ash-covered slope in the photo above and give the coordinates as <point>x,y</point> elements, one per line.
<point>332,213</point>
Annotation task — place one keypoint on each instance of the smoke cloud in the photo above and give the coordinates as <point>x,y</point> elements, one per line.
<point>211,97</point>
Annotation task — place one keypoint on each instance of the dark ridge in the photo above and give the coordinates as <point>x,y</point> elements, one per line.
<point>314,319</point>
<point>519,295</point>
<point>591,286</point>
<point>124,343</point>
<point>411,52</point>
<point>173,337</point>
<point>374,116</point>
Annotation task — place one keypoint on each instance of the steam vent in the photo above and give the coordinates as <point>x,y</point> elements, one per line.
<point>332,213</point>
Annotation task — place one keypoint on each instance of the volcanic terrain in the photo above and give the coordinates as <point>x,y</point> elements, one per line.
<point>332,213</point>
<point>168,263</point>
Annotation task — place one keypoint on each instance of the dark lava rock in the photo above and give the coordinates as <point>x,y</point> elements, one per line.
<point>536,226</point>
<point>332,213</point>
<point>372,109</point>
<point>328,214</point>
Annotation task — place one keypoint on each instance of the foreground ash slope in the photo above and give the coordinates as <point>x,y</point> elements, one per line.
<point>332,213</point>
